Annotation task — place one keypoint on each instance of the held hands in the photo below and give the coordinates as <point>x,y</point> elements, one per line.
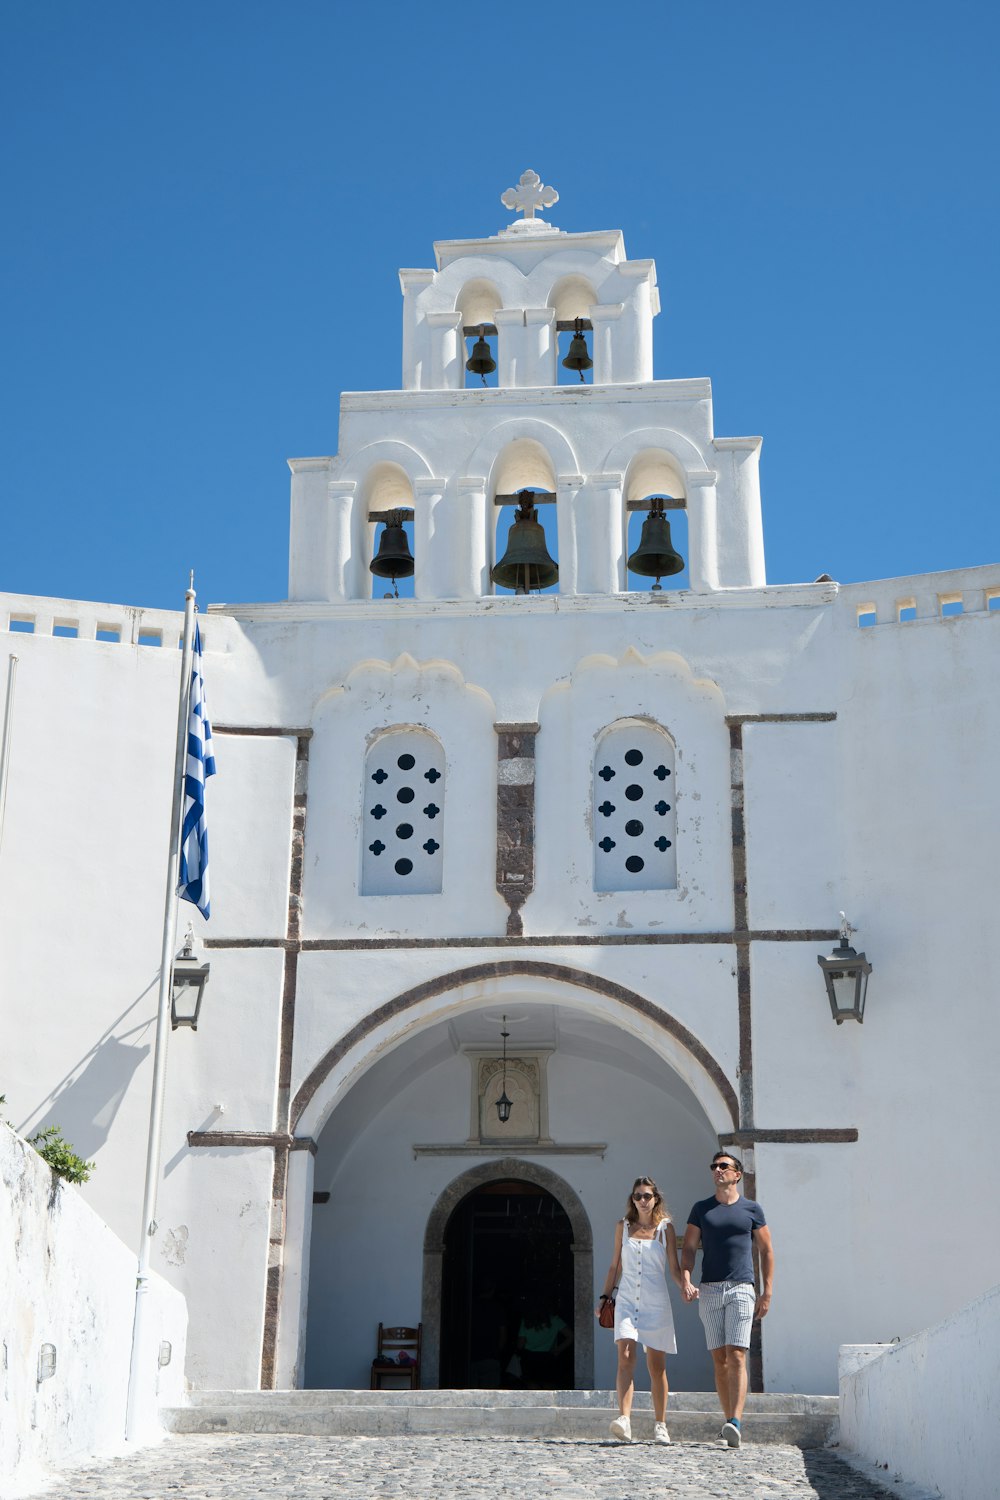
<point>689,1292</point>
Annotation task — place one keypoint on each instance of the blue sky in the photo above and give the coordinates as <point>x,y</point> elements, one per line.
<point>188,185</point>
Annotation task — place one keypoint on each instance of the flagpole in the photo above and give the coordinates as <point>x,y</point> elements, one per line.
<point>8,731</point>
<point>136,1419</point>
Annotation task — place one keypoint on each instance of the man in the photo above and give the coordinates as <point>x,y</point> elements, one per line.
<point>726,1228</point>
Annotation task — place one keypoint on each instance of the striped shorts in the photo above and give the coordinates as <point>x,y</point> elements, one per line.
<point>726,1310</point>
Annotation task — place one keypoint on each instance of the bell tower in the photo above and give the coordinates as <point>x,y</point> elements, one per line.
<point>483,415</point>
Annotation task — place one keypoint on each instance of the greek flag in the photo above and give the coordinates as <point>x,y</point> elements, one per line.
<point>193,884</point>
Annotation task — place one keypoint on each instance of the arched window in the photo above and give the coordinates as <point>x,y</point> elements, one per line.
<point>635,821</point>
<point>403,820</point>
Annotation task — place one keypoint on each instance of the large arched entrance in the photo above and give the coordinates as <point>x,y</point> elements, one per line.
<point>625,1090</point>
<point>506,1242</point>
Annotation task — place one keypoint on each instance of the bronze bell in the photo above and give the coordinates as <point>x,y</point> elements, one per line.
<point>526,564</point>
<point>578,358</point>
<point>393,558</point>
<point>481,361</point>
<point>655,557</point>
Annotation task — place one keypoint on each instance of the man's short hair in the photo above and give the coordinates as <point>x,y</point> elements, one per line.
<point>728,1156</point>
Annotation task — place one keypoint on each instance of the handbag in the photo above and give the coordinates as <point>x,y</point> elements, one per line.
<point>606,1316</point>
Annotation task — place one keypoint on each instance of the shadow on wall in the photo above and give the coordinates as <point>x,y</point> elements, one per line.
<point>85,1107</point>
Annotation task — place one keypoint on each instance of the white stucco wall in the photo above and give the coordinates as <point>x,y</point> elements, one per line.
<point>883,811</point>
<point>925,1409</point>
<point>66,1280</point>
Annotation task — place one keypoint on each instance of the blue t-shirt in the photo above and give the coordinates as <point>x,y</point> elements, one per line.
<point>726,1230</point>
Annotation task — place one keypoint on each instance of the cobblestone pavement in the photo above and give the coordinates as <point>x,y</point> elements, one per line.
<point>429,1468</point>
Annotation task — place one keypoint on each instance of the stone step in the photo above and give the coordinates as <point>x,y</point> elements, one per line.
<point>804,1421</point>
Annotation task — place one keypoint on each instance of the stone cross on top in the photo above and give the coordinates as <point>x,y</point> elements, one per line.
<point>530,193</point>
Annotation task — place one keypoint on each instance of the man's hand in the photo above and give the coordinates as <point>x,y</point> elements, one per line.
<point>762,1239</point>
<point>689,1249</point>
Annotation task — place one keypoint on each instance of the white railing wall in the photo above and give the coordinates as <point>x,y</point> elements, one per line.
<point>67,1300</point>
<point>925,1410</point>
<point>924,596</point>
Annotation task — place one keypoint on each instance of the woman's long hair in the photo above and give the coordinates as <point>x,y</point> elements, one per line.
<point>659,1206</point>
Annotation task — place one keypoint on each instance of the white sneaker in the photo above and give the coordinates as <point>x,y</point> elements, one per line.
<point>661,1435</point>
<point>621,1428</point>
<point>732,1434</point>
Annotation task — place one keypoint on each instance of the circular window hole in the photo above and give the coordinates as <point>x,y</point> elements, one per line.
<point>633,792</point>
<point>406,762</point>
<point>633,828</point>
<point>405,794</point>
<point>633,757</point>
<point>404,831</point>
<point>404,866</point>
<point>633,864</point>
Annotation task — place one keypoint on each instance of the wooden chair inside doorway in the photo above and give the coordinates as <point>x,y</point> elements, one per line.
<point>396,1345</point>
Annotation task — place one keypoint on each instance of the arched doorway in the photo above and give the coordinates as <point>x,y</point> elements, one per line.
<point>389,1104</point>
<point>564,1271</point>
<point>507,1265</point>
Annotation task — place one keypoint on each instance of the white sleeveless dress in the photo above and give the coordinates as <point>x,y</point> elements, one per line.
<point>642,1306</point>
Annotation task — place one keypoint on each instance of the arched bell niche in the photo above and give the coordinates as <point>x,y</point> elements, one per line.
<point>479,302</point>
<point>387,492</point>
<point>572,298</point>
<point>655,474</point>
<point>524,465</point>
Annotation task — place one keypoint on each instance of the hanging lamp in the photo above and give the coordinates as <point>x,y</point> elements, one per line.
<point>504,1105</point>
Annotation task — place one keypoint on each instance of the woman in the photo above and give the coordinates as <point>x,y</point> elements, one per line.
<point>645,1253</point>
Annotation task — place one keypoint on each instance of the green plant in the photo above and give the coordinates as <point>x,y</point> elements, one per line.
<point>60,1155</point>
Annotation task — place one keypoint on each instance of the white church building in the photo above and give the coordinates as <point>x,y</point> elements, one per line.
<point>617,822</point>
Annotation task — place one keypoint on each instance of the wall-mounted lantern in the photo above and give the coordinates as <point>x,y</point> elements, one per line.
<point>504,1105</point>
<point>846,975</point>
<point>187,985</point>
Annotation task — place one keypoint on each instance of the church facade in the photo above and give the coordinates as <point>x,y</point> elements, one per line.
<point>618,824</point>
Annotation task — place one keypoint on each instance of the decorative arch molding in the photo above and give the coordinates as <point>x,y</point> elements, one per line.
<point>385,451</point>
<point>373,679</point>
<point>334,1072</point>
<point>485,456</point>
<point>449,283</point>
<point>516,288</point>
<point>688,458</point>
<point>583,1259</point>
<point>665,662</point>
